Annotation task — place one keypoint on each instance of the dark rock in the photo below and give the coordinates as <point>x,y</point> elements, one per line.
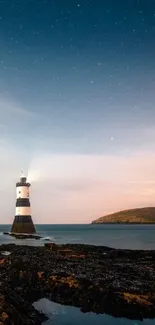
<point>23,236</point>
<point>103,280</point>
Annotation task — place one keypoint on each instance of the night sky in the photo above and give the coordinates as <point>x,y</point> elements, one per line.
<point>76,78</point>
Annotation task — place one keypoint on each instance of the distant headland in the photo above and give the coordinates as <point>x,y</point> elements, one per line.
<point>132,216</point>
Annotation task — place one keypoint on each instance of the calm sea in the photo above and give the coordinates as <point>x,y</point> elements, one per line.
<point>118,236</point>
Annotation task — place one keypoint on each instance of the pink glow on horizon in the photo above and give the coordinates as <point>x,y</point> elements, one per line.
<point>80,188</point>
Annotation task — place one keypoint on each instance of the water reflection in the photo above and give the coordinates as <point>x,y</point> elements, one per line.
<point>67,315</point>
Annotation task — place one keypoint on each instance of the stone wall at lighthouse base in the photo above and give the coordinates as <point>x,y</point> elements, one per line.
<point>23,224</point>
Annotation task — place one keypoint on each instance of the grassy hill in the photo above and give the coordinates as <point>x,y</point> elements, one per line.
<point>139,215</point>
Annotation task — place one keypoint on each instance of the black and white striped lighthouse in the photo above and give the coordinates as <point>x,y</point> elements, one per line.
<point>23,222</point>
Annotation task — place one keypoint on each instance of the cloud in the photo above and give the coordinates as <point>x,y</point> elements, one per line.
<point>19,126</point>
<point>10,108</point>
<point>15,117</point>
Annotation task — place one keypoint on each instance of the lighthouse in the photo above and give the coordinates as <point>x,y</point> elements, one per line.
<point>23,222</point>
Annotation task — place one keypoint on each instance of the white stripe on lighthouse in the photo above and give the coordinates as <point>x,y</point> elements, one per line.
<point>22,192</point>
<point>22,211</point>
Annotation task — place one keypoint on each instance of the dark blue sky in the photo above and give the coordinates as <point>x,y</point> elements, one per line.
<point>85,69</point>
<point>77,106</point>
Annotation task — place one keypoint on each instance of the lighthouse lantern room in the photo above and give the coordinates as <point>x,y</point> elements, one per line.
<point>23,222</point>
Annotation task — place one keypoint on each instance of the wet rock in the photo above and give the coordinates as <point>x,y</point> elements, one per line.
<point>101,279</point>
<point>22,236</point>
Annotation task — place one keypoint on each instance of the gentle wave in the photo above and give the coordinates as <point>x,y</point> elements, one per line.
<point>48,238</point>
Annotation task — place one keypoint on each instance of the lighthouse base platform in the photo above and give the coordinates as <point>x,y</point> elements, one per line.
<point>22,235</point>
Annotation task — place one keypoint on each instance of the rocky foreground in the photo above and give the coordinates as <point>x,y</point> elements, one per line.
<point>99,279</point>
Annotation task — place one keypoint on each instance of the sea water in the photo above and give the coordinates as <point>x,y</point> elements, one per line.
<point>118,236</point>
<point>67,315</point>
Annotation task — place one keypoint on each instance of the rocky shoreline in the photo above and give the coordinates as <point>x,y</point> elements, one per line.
<point>118,282</point>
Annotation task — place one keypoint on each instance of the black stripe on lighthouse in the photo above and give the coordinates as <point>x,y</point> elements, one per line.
<point>23,219</point>
<point>22,202</point>
<point>19,184</point>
